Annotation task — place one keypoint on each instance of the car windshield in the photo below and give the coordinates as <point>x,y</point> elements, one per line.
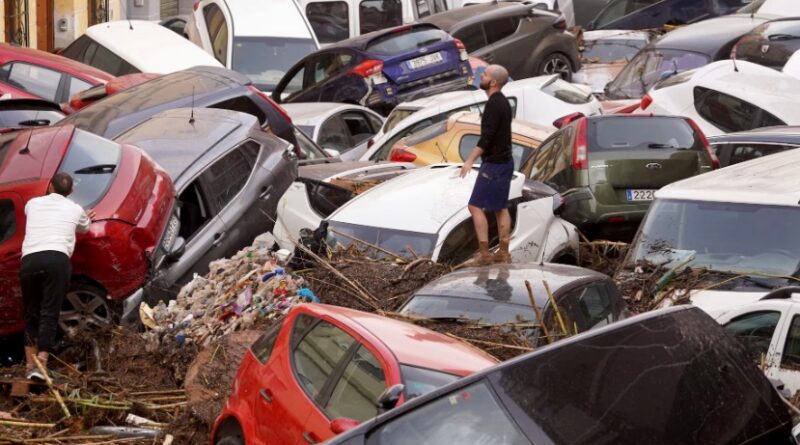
<point>724,237</point>
<point>426,134</point>
<point>419,381</point>
<point>28,118</point>
<point>611,50</point>
<point>411,40</point>
<point>266,59</point>
<point>566,92</point>
<point>92,162</point>
<point>650,66</point>
<point>488,311</point>
<point>396,116</point>
<point>398,242</point>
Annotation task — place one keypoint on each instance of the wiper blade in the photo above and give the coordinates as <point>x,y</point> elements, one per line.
<point>96,169</point>
<point>35,123</point>
<point>758,281</point>
<point>660,146</point>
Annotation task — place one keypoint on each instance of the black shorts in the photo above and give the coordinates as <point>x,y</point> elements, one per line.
<point>492,186</point>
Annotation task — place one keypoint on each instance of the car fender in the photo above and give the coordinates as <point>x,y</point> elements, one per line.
<point>555,43</point>
<point>294,214</point>
<point>533,220</point>
<point>562,239</point>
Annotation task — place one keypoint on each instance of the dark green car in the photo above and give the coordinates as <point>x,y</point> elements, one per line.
<point>607,168</point>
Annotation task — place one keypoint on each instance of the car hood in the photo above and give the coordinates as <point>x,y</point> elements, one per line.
<point>718,302</point>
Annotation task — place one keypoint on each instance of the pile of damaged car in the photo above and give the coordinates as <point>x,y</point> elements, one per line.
<point>396,222</point>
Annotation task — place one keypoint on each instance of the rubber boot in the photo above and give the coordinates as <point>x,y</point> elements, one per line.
<point>35,373</point>
<point>30,352</point>
<point>502,256</point>
<point>484,257</point>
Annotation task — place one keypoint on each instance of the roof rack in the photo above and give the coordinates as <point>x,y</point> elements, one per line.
<point>781,293</point>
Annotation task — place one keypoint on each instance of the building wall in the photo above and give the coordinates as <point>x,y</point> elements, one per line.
<point>2,22</point>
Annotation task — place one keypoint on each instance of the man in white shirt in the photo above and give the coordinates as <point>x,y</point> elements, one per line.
<point>52,221</point>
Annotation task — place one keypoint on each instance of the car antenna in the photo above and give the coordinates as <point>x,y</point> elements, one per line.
<point>130,25</point>
<point>26,149</point>
<point>191,116</point>
<point>444,158</point>
<point>735,68</point>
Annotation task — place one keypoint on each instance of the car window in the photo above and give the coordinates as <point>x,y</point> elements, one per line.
<point>375,122</point>
<point>747,151</point>
<point>588,307</point>
<point>612,50</point>
<point>92,162</point>
<point>469,415</point>
<point>755,330</point>
<point>374,15</point>
<point>619,9</point>
<point>422,8</point>
<point>243,104</point>
<point>217,32</point>
<point>306,148</point>
<point>420,381</point>
<point>34,79</point>
<point>358,126</point>
<point>566,92</point>
<point>501,28</point>
<point>317,354</point>
<point>8,220</point>
<point>791,350</point>
<point>223,180</point>
<point>265,60</point>
<point>325,198</point>
<point>472,37</point>
<point>102,58</point>
<point>324,66</point>
<point>402,41</point>
<point>730,113</point>
<point>553,156</point>
<point>519,152</point>
<point>333,133</point>
<point>77,49</point>
<point>439,6</point>
<point>262,348</point>
<point>76,86</point>
<point>650,66</point>
<point>295,84</point>
<point>665,134</point>
<point>356,393</point>
<point>330,20</point>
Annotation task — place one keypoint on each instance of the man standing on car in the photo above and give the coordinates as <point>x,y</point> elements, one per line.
<point>52,221</point>
<point>497,167</point>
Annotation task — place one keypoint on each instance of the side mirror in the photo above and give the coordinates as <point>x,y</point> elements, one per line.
<point>332,152</point>
<point>338,426</point>
<point>178,247</point>
<point>666,75</point>
<point>389,398</point>
<point>571,198</point>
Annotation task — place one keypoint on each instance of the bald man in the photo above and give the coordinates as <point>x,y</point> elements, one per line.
<point>497,168</point>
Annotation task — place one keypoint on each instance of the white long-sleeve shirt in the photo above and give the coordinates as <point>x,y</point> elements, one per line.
<point>52,221</point>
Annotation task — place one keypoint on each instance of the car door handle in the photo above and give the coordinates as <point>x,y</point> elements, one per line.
<point>308,438</point>
<point>265,192</point>
<point>265,394</point>
<point>218,238</point>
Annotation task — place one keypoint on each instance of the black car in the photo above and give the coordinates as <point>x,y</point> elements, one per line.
<point>770,44</point>
<point>228,176</point>
<point>671,376</point>
<point>526,40</point>
<point>683,49</point>
<point>645,14</point>
<point>498,295</point>
<point>199,87</point>
<point>24,113</point>
<point>733,148</point>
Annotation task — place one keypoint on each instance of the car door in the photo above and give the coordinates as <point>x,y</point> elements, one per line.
<point>757,327</point>
<point>786,366</point>
<point>360,127</point>
<point>474,39</point>
<point>217,33</point>
<point>334,134</point>
<point>501,47</point>
<point>12,228</point>
<point>329,81</point>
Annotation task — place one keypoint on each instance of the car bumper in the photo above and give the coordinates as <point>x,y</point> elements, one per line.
<point>130,308</point>
<point>379,97</point>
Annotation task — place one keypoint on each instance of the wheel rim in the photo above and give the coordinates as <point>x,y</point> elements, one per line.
<point>84,309</point>
<point>557,65</point>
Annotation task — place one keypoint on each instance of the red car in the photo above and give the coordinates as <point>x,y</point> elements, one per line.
<point>85,98</point>
<point>131,195</point>
<point>324,369</point>
<point>33,74</point>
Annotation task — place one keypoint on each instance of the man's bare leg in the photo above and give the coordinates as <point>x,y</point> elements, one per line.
<point>504,231</point>
<point>482,232</point>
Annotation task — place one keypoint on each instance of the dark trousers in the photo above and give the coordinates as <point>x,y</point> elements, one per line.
<point>45,281</point>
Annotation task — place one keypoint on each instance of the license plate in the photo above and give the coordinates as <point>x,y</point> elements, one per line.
<point>421,62</point>
<point>640,195</point>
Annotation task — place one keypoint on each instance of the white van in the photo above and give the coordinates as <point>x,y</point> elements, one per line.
<point>258,38</point>
<point>335,20</point>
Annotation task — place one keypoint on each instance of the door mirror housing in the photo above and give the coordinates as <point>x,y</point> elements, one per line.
<point>177,250</point>
<point>338,426</point>
<point>389,398</point>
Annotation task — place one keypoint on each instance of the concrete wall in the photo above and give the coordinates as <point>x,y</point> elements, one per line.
<point>143,9</point>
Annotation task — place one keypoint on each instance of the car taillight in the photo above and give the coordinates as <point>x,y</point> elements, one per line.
<point>744,39</point>
<point>566,120</point>
<point>560,23</point>
<point>370,142</point>
<point>271,102</point>
<point>402,155</point>
<point>196,5</point>
<point>368,68</point>
<point>580,153</point>
<point>646,101</point>
<point>699,133</point>
<point>462,50</point>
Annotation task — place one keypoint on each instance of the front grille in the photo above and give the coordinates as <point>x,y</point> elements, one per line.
<point>427,81</point>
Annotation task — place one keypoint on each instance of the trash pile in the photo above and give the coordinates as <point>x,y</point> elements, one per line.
<point>247,290</point>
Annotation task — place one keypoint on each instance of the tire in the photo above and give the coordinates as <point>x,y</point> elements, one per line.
<point>230,440</point>
<point>556,63</point>
<point>85,307</point>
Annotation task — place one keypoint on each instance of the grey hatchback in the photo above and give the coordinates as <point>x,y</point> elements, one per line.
<point>228,175</point>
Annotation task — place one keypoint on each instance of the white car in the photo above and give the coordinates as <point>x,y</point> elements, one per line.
<point>740,221</point>
<point>136,46</point>
<point>770,329</point>
<point>258,38</point>
<point>425,211</point>
<point>540,100</point>
<point>345,128</point>
<point>727,97</point>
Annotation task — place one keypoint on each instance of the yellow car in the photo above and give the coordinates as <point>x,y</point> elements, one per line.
<point>454,139</point>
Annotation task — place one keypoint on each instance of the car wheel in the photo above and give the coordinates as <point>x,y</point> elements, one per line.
<point>230,440</point>
<point>556,63</point>
<point>86,307</point>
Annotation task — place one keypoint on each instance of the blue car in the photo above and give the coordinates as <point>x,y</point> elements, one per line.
<point>379,70</point>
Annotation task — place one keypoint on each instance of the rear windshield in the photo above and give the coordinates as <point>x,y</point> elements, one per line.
<point>609,51</point>
<point>411,40</point>
<point>421,381</point>
<point>28,118</point>
<point>265,59</point>
<point>395,117</point>
<point>92,162</point>
<point>642,133</point>
<point>650,66</point>
<point>399,242</point>
<point>566,92</point>
<point>676,79</point>
<point>468,308</point>
<point>426,134</point>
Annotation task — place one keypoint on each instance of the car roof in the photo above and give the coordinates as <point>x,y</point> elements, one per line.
<point>176,142</point>
<point>415,345</point>
<point>427,197</point>
<point>361,42</point>
<point>709,36</point>
<point>780,133</point>
<point>18,165</point>
<point>279,18</point>
<point>462,283</point>
<point>457,17</point>
<point>770,180</point>
<point>150,47</point>
<point>65,64</point>
<point>518,126</point>
<point>313,113</point>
